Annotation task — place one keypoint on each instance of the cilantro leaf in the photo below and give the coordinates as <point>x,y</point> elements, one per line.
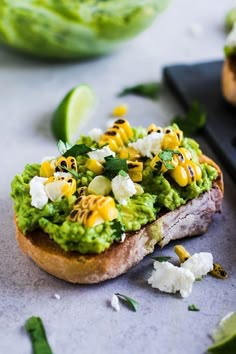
<point>71,171</point>
<point>118,230</point>
<point>36,331</point>
<point>193,308</point>
<point>149,90</point>
<point>113,165</point>
<point>194,120</point>
<point>131,303</point>
<point>63,147</point>
<point>161,259</point>
<point>166,157</point>
<point>78,149</point>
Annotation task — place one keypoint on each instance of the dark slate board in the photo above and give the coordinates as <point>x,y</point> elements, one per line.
<point>201,82</point>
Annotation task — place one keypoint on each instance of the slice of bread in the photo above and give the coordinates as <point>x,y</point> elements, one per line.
<point>228,80</point>
<point>190,219</point>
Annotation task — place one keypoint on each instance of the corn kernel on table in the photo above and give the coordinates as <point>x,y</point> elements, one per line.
<point>79,318</point>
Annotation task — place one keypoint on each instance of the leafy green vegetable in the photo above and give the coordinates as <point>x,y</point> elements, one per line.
<point>36,331</point>
<point>149,90</point>
<point>71,171</point>
<point>194,120</point>
<point>193,308</point>
<point>77,149</point>
<point>113,165</point>
<point>131,303</point>
<point>166,157</point>
<point>63,147</point>
<point>161,259</point>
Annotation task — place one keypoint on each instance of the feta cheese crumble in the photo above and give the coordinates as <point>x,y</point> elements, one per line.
<point>123,188</point>
<point>199,264</point>
<point>169,278</point>
<point>56,296</point>
<point>115,302</point>
<point>55,189</point>
<point>100,154</point>
<point>95,134</point>
<point>38,194</point>
<point>149,145</point>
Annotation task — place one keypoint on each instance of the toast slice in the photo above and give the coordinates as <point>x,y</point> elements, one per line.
<point>190,219</point>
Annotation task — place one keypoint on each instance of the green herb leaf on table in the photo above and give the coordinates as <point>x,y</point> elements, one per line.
<point>114,165</point>
<point>34,327</point>
<point>131,303</point>
<point>77,149</point>
<point>150,90</point>
<point>194,120</point>
<point>63,147</point>
<point>161,259</point>
<point>193,308</point>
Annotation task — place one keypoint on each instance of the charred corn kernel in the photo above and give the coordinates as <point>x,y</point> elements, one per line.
<point>135,169</point>
<point>95,166</point>
<point>218,271</point>
<point>172,138</point>
<point>92,210</point>
<point>182,253</point>
<point>82,191</point>
<point>179,174</point>
<point>71,163</point>
<point>69,188</point>
<point>153,128</point>
<point>118,135</point>
<point>120,111</point>
<point>128,152</point>
<point>47,169</point>
<point>60,164</point>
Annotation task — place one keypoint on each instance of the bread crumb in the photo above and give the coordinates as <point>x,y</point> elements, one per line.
<point>115,302</point>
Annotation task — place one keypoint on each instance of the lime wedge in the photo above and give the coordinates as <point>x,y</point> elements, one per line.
<point>75,108</point>
<point>224,336</point>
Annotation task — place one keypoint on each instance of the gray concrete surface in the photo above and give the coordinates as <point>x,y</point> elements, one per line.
<point>82,321</point>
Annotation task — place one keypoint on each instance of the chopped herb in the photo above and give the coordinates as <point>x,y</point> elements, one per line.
<point>132,304</point>
<point>193,308</point>
<point>166,157</point>
<point>149,90</point>
<point>113,165</point>
<point>63,147</point>
<point>157,168</point>
<point>76,150</point>
<point>36,331</point>
<point>123,173</point>
<point>72,172</point>
<point>161,259</point>
<point>194,120</point>
<point>118,230</point>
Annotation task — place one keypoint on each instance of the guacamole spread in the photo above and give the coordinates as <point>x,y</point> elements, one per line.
<point>97,191</point>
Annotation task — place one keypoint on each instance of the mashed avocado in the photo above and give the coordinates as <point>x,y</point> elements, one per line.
<point>66,221</point>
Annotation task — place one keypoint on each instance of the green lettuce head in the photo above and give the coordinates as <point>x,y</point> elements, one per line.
<point>73,28</point>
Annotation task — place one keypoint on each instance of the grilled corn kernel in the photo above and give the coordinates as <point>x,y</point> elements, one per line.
<point>128,152</point>
<point>117,136</point>
<point>153,128</point>
<point>95,166</point>
<point>218,271</point>
<point>182,253</point>
<point>135,169</point>
<point>47,169</point>
<point>120,111</point>
<point>172,138</point>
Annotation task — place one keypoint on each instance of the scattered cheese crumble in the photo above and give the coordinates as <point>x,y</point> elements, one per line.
<point>199,264</point>
<point>38,194</point>
<point>100,154</point>
<point>115,302</point>
<point>169,278</point>
<point>123,187</point>
<point>149,145</point>
<point>56,296</point>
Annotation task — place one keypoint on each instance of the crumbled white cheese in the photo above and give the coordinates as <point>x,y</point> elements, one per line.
<point>54,190</point>
<point>115,302</point>
<point>169,278</point>
<point>38,194</point>
<point>56,296</point>
<point>95,134</point>
<point>123,187</point>
<point>199,264</point>
<point>231,39</point>
<point>62,174</point>
<point>149,145</point>
<point>100,154</point>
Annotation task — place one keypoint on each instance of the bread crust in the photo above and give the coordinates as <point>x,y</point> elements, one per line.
<point>187,220</point>
<point>228,80</point>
